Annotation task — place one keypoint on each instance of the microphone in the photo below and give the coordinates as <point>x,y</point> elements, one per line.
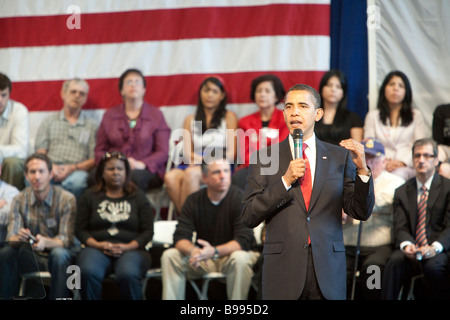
<point>297,135</point>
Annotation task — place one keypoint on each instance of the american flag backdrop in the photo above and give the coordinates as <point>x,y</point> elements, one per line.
<point>175,43</point>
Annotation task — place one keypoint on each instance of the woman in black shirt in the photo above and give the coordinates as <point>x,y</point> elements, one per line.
<point>338,123</point>
<point>114,222</point>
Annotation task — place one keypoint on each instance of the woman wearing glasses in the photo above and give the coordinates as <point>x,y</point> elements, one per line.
<point>114,222</point>
<point>137,129</point>
<point>396,124</point>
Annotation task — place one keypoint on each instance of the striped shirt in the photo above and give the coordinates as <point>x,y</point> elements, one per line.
<point>66,143</point>
<point>53,217</point>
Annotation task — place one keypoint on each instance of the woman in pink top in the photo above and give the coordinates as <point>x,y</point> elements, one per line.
<point>138,130</point>
<point>396,123</point>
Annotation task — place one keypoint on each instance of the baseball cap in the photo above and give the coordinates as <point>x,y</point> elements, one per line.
<point>373,146</point>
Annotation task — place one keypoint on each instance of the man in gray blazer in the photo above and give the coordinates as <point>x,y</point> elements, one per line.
<point>304,252</point>
<point>427,251</point>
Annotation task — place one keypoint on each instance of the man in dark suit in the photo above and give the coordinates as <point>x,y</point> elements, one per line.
<point>304,252</point>
<point>417,252</point>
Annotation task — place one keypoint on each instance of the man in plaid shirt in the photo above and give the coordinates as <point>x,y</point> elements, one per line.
<point>68,138</point>
<point>46,213</point>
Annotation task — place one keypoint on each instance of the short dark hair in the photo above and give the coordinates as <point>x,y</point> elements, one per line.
<point>311,90</point>
<point>205,166</point>
<point>38,156</point>
<point>425,141</point>
<point>5,82</point>
<point>276,84</point>
<point>126,73</point>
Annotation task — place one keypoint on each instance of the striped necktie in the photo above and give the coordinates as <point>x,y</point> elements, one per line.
<point>421,237</point>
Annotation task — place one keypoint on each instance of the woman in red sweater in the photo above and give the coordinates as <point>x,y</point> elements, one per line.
<point>262,128</point>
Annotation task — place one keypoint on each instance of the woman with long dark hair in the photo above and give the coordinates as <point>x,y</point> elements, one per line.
<point>338,123</point>
<point>396,123</point>
<point>114,222</point>
<point>211,130</point>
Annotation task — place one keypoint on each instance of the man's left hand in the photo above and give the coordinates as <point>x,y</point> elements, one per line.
<point>357,153</point>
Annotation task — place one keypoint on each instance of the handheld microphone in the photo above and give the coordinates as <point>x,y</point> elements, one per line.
<point>297,135</point>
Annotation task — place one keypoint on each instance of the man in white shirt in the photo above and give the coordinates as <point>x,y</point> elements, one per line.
<point>13,135</point>
<point>7,193</point>
<point>376,242</point>
<point>421,247</point>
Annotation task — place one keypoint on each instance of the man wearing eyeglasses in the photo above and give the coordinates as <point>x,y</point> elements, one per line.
<point>68,138</point>
<point>421,228</point>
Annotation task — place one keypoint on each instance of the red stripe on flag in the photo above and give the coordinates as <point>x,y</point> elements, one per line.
<point>161,90</point>
<point>167,24</point>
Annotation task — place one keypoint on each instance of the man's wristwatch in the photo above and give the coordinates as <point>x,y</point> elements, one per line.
<point>216,254</point>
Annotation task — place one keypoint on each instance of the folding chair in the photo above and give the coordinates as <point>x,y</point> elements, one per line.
<point>410,295</point>
<point>162,236</point>
<point>158,196</point>
<point>44,276</point>
<point>218,276</point>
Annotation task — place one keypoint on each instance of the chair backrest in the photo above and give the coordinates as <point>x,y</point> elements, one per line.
<point>170,162</point>
<point>163,231</point>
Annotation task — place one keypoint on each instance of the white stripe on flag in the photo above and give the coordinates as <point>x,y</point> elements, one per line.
<point>281,53</point>
<point>30,8</point>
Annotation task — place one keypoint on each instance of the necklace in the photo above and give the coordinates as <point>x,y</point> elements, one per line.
<point>132,123</point>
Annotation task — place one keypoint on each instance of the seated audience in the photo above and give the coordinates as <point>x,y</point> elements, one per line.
<point>7,193</point>
<point>210,131</point>
<point>338,123</point>
<point>138,130</point>
<point>223,243</point>
<point>13,135</point>
<point>441,134</point>
<point>262,128</point>
<point>376,242</point>
<point>421,228</point>
<point>396,123</point>
<point>68,138</point>
<point>46,213</point>
<point>114,222</point>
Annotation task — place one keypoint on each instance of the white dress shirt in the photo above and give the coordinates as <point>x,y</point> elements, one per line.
<point>14,131</point>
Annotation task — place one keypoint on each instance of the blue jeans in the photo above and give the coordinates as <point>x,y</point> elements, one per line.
<point>129,271</point>
<point>76,182</point>
<point>18,258</point>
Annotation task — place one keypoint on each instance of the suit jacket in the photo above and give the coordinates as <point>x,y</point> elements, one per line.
<point>336,186</point>
<point>438,212</point>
